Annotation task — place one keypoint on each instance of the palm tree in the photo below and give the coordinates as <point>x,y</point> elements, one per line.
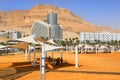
<point>112,42</point>
<point>116,42</point>
<point>63,43</point>
<point>87,41</point>
<point>66,41</point>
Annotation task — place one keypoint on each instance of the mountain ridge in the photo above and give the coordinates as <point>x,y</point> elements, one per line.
<point>25,18</point>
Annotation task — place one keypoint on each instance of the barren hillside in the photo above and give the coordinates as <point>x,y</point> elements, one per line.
<point>23,19</point>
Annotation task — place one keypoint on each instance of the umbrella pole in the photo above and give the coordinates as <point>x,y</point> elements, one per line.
<point>53,57</point>
<point>76,56</point>
<point>28,58</point>
<point>26,53</point>
<point>66,50</point>
<point>34,56</point>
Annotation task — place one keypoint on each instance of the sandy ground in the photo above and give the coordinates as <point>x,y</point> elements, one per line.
<point>102,66</point>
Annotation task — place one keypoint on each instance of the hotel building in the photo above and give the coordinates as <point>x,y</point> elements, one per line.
<point>103,36</point>
<point>48,28</point>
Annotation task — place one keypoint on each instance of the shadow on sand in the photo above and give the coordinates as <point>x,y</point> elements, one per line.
<point>19,69</point>
<point>66,64</point>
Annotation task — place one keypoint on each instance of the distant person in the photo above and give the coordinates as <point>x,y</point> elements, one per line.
<point>58,61</point>
<point>61,60</point>
<point>49,58</point>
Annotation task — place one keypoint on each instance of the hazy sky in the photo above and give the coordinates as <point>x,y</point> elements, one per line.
<point>98,12</point>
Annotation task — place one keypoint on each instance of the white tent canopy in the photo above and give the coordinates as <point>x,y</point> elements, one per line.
<point>29,39</point>
<point>51,41</point>
<point>97,45</point>
<point>80,45</point>
<point>2,46</point>
<point>45,47</point>
<point>49,47</point>
<point>103,47</point>
<point>89,46</point>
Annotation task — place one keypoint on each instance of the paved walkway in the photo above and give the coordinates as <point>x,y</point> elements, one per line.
<point>89,72</point>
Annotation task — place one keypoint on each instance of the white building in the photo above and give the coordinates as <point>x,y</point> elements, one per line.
<point>14,34</point>
<point>3,34</point>
<point>41,29</point>
<point>11,34</point>
<point>49,29</point>
<point>103,36</point>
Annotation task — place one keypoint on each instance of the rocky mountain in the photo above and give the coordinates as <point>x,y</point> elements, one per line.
<point>69,34</point>
<point>23,19</point>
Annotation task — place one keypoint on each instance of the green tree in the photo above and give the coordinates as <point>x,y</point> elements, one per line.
<point>63,43</point>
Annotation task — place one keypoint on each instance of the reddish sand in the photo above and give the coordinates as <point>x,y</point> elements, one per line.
<point>103,66</point>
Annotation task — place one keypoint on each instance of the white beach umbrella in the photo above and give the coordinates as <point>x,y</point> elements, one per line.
<point>29,39</point>
<point>51,41</point>
<point>49,47</point>
<point>103,47</point>
<point>80,45</point>
<point>88,46</point>
<point>2,46</point>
